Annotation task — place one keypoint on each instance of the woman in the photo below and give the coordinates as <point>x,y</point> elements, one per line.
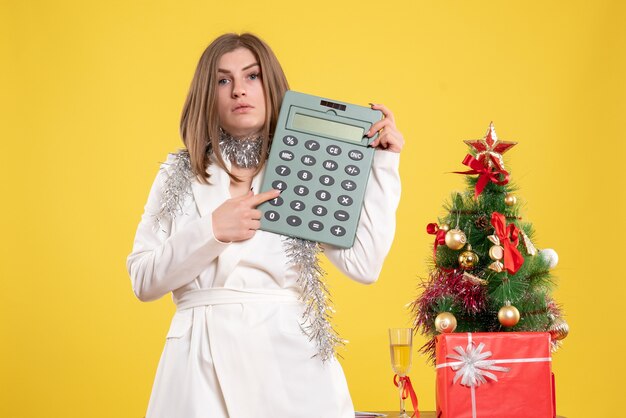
<point>235,347</point>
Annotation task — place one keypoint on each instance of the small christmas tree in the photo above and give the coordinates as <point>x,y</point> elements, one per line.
<point>487,275</point>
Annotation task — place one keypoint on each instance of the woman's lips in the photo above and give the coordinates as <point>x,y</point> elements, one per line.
<point>242,108</point>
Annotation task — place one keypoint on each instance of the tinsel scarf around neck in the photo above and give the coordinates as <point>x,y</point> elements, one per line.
<point>243,152</point>
<point>301,253</point>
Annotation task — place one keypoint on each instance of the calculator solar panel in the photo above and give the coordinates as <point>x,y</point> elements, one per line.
<point>321,161</point>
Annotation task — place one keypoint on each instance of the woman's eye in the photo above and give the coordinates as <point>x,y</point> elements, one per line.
<point>254,76</point>
<point>222,81</point>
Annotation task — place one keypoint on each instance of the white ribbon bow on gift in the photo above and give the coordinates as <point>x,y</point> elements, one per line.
<point>473,367</point>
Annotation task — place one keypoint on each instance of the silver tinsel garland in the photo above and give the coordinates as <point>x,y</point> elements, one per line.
<point>318,313</point>
<point>245,152</point>
<point>176,188</point>
<point>303,254</point>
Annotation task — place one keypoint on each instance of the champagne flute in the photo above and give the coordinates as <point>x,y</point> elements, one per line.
<point>400,348</point>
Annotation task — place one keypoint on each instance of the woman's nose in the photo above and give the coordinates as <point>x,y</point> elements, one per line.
<point>238,90</point>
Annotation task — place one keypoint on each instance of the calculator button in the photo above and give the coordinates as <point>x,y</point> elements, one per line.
<point>283,170</point>
<point>352,170</point>
<point>272,216</point>
<point>305,175</point>
<point>330,165</point>
<point>322,195</point>
<point>308,160</point>
<point>348,185</point>
<point>355,155</point>
<point>290,140</point>
<point>327,180</point>
<point>344,200</point>
<point>342,215</point>
<point>319,210</point>
<point>312,145</point>
<point>279,185</point>
<point>294,220</point>
<point>301,190</point>
<point>277,201</point>
<point>316,226</point>
<point>297,205</point>
<point>286,155</point>
<point>333,150</point>
<point>338,231</point>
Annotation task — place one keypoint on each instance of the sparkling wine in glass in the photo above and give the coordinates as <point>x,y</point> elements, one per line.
<point>400,348</point>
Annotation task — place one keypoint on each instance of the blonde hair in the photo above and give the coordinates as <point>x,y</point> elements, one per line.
<point>199,123</point>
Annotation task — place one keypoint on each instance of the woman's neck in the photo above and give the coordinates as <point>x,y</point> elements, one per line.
<point>245,175</point>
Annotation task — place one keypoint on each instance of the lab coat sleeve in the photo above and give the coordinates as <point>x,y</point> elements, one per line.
<point>375,232</point>
<point>165,257</point>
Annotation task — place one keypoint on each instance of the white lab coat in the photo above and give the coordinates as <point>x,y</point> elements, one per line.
<point>235,347</point>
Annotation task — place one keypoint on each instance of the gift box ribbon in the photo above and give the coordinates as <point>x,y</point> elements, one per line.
<point>473,368</point>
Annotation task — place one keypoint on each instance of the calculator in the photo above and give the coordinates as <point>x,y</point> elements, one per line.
<point>320,160</point>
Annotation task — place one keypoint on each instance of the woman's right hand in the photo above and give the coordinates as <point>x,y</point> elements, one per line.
<point>237,219</point>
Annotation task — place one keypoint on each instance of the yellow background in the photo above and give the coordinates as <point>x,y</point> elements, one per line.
<point>91,94</point>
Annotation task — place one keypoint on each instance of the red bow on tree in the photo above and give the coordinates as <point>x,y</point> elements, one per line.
<point>440,236</point>
<point>486,174</point>
<point>509,238</point>
<point>407,390</point>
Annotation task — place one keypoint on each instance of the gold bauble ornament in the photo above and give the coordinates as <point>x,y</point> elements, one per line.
<point>445,322</point>
<point>508,315</point>
<point>455,239</point>
<point>559,329</point>
<point>444,227</point>
<point>468,258</point>
<point>510,199</point>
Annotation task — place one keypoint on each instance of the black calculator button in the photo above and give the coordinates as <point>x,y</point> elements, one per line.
<point>297,205</point>
<point>344,200</point>
<point>355,155</point>
<point>338,231</point>
<point>305,175</point>
<point>319,210</point>
<point>283,170</point>
<point>327,180</point>
<point>333,150</point>
<point>330,165</point>
<point>308,160</point>
<point>348,185</point>
<point>301,190</point>
<point>312,145</point>
<point>286,155</point>
<point>290,140</point>
<point>322,195</point>
<point>316,226</point>
<point>277,201</point>
<point>294,220</point>
<point>272,216</point>
<point>342,215</point>
<point>279,185</point>
<point>352,170</point>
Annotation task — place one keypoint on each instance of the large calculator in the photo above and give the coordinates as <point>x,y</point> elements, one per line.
<point>321,162</point>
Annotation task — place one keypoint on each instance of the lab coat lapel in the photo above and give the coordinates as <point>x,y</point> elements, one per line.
<point>209,197</point>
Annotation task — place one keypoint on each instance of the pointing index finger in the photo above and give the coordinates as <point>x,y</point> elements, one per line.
<point>256,200</point>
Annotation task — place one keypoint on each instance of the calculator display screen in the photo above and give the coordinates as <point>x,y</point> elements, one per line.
<point>327,127</point>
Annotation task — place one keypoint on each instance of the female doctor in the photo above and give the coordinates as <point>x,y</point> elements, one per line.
<point>235,347</point>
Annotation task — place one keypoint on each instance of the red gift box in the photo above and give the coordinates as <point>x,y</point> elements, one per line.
<point>495,375</point>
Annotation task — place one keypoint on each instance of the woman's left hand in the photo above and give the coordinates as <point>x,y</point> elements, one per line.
<point>389,138</point>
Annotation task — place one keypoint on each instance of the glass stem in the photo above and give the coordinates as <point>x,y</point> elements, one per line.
<point>401,387</point>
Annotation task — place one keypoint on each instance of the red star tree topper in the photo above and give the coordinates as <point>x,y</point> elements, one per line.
<point>489,150</point>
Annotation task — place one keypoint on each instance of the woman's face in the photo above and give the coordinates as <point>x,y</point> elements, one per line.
<point>240,96</point>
